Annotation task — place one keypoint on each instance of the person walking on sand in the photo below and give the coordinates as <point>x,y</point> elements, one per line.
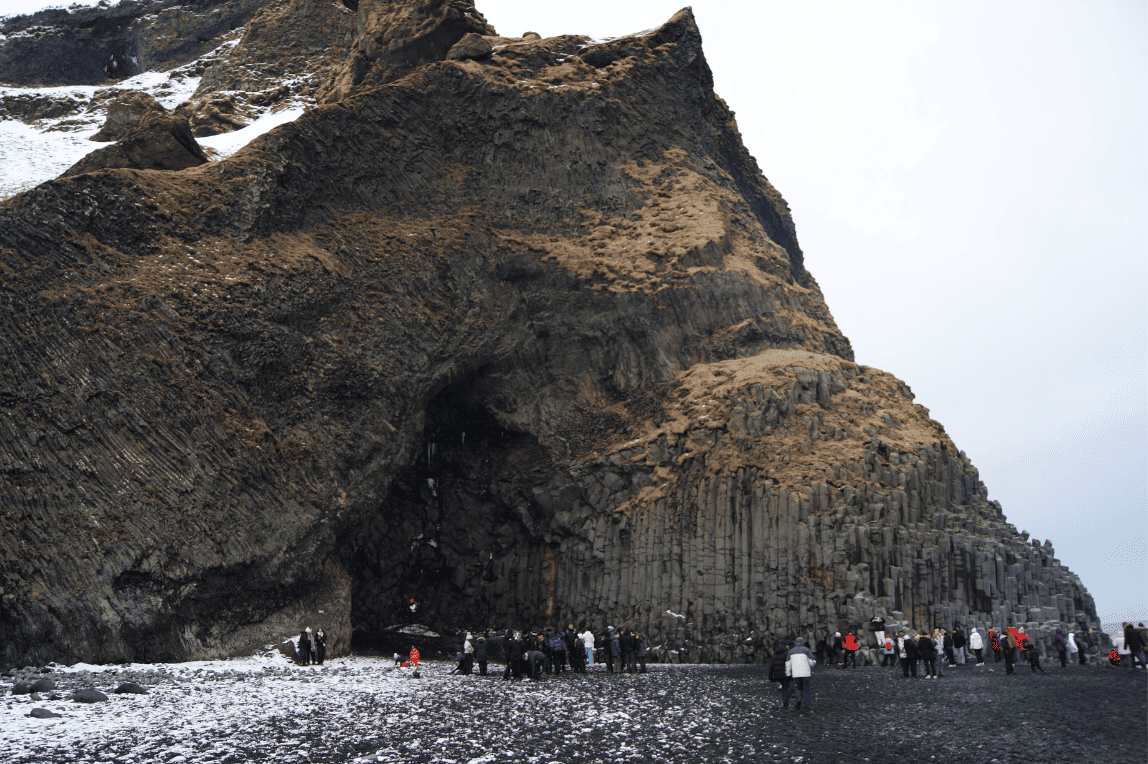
<point>977,645</point>
<point>995,645</point>
<point>799,665</point>
<point>777,671</point>
<point>889,657</point>
<point>1070,640</point>
<point>480,654</point>
<point>1033,653</point>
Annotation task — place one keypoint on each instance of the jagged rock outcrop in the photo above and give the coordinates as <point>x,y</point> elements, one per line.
<point>528,339</point>
<point>126,113</point>
<point>160,142</point>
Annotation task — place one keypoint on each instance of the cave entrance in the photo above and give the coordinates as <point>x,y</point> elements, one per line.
<point>433,553</point>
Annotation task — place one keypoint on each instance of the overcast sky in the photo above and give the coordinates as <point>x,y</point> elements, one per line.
<point>970,185</point>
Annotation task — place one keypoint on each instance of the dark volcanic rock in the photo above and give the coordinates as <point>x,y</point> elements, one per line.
<point>43,685</point>
<point>126,113</point>
<point>161,142</point>
<point>88,696</point>
<point>472,46</point>
<point>21,688</point>
<point>43,713</point>
<point>528,340</point>
<point>91,45</point>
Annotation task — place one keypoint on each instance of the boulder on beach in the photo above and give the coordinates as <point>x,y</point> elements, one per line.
<point>132,688</point>
<point>43,713</point>
<point>88,696</point>
<point>43,685</point>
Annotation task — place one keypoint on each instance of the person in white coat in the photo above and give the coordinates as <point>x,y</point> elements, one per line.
<point>799,665</point>
<point>1072,648</point>
<point>587,638</point>
<point>977,645</point>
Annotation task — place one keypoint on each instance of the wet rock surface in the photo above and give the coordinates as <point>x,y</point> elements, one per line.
<point>365,710</point>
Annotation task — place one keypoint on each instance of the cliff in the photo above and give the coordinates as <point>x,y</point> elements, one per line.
<point>522,335</point>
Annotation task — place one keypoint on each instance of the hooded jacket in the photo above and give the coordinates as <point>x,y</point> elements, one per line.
<point>799,662</point>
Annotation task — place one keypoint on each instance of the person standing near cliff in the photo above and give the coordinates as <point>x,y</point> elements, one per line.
<point>1132,644</point>
<point>320,646</point>
<point>928,653</point>
<point>1085,644</point>
<point>877,626</point>
<point>959,643</point>
<point>977,645</point>
<point>588,643</point>
<point>303,651</point>
<point>851,648</point>
<point>480,654</point>
<point>836,645</point>
<point>1008,647</point>
<point>777,671</point>
<point>909,654</point>
<point>1061,645</point>
<point>799,665</point>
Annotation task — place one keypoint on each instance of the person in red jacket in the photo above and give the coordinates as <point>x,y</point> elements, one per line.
<point>851,648</point>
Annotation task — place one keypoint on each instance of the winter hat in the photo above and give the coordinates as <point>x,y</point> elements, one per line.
<point>800,640</point>
<point>837,634</point>
<point>609,628</point>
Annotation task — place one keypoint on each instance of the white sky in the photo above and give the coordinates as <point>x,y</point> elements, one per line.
<point>969,183</point>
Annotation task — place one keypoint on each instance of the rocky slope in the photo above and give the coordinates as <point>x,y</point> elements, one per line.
<point>511,327</point>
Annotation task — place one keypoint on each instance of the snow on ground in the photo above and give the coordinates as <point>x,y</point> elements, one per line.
<point>33,153</point>
<point>363,709</point>
<point>28,157</point>
<point>227,144</point>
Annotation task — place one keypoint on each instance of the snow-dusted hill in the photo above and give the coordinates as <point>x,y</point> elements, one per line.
<point>246,80</point>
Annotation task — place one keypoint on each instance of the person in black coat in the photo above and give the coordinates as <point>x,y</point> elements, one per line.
<point>1033,655</point>
<point>575,652</point>
<point>777,671</point>
<point>641,652</point>
<point>928,653</point>
<point>609,642</point>
<point>629,651</point>
<point>320,646</point>
<point>480,654</point>
<point>304,648</point>
<point>909,662</point>
<point>514,650</point>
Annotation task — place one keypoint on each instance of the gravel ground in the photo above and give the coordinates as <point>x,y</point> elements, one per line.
<point>363,709</point>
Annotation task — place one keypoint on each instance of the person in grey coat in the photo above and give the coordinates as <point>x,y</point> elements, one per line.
<point>799,665</point>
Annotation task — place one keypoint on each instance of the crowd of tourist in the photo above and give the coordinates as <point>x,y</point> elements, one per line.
<point>535,653</point>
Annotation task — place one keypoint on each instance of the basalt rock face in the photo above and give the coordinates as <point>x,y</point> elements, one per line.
<point>526,339</point>
<point>88,46</point>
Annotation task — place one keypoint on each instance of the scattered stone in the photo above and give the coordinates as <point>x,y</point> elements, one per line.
<point>21,688</point>
<point>88,696</point>
<point>132,688</point>
<point>43,713</point>
<point>43,685</point>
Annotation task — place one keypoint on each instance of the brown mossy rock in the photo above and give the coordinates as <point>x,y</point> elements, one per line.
<point>473,46</point>
<point>395,37</point>
<point>161,142</point>
<point>215,114</point>
<point>126,113</point>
